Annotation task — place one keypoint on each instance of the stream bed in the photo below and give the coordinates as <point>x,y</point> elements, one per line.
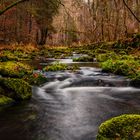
<point>71,106</point>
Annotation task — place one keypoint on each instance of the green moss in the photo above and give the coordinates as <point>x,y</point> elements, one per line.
<point>14,69</point>
<point>128,67</point>
<point>125,127</point>
<point>16,89</point>
<point>5,100</point>
<point>56,52</point>
<point>56,67</point>
<point>9,55</point>
<point>105,56</point>
<point>59,67</point>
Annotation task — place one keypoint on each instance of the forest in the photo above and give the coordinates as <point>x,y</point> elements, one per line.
<point>70,69</point>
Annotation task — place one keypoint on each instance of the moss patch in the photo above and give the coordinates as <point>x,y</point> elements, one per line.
<point>123,66</point>
<point>15,55</point>
<point>125,127</point>
<point>14,69</point>
<point>105,56</point>
<point>59,67</point>
<point>16,89</point>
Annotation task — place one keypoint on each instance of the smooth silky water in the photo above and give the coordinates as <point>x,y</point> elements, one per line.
<point>70,107</point>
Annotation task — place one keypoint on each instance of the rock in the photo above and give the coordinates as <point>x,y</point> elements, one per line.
<point>122,127</point>
<point>16,89</point>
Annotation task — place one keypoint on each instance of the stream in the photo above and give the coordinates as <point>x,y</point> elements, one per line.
<point>71,106</point>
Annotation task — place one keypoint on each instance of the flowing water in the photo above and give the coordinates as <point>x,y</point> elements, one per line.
<point>70,107</point>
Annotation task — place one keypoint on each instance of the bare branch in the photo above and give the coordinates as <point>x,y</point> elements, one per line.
<point>10,6</point>
<point>131,11</point>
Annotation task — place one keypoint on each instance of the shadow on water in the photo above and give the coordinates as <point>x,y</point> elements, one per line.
<point>70,107</point>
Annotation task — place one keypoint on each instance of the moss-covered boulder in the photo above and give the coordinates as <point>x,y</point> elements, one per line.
<point>14,69</point>
<point>16,89</point>
<point>125,127</point>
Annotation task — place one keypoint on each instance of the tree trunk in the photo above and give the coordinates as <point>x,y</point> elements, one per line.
<point>41,36</point>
